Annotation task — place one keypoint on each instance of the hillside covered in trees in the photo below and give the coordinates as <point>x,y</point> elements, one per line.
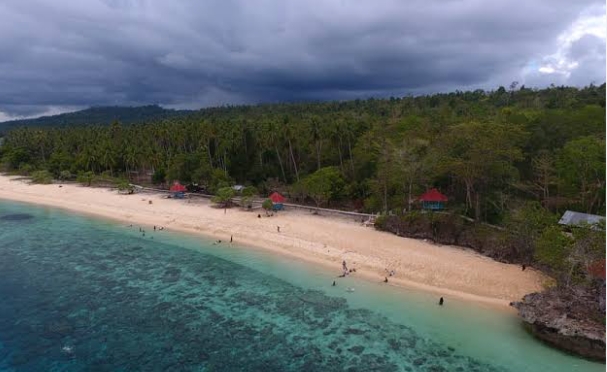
<point>97,115</point>
<point>488,151</point>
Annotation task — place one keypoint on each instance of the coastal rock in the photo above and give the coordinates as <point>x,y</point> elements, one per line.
<point>566,319</point>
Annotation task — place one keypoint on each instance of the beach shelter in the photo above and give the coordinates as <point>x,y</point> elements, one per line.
<point>433,200</point>
<point>277,200</point>
<point>178,190</point>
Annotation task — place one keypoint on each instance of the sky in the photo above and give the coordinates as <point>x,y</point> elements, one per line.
<point>64,55</point>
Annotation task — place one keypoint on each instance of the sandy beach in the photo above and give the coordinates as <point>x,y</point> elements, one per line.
<point>445,270</point>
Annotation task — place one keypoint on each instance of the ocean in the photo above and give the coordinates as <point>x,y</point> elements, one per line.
<point>84,294</point>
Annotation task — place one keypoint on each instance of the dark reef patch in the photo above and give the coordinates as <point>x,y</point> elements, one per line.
<point>16,217</point>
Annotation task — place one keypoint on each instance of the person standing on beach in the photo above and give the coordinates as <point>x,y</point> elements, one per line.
<point>278,228</point>
<point>441,301</point>
<point>231,238</point>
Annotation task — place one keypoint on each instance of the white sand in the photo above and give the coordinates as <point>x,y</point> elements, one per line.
<point>446,270</point>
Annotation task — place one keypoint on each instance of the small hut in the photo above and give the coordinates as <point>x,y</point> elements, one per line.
<point>433,200</point>
<point>178,190</point>
<point>277,201</point>
<point>577,219</point>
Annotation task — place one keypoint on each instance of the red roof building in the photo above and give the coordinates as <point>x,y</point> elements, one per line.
<point>433,200</point>
<point>276,198</point>
<point>433,195</point>
<point>177,187</point>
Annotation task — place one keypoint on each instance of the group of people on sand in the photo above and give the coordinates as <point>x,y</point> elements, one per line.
<point>345,270</point>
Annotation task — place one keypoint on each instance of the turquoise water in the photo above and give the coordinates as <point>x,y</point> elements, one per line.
<point>78,294</point>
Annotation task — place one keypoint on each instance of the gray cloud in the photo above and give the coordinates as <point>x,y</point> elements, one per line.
<point>74,53</point>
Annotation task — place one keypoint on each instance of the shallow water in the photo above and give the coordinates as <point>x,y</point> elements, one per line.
<point>79,294</point>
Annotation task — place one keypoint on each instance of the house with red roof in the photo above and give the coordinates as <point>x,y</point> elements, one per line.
<point>433,200</point>
<point>277,201</point>
<point>178,190</point>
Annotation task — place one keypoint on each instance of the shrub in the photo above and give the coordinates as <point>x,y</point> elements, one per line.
<point>85,178</point>
<point>224,196</point>
<point>267,205</point>
<point>249,191</point>
<point>159,176</point>
<point>25,169</point>
<point>65,175</point>
<point>42,176</point>
<point>124,185</point>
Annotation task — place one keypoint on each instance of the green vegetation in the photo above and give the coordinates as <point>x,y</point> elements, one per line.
<point>42,176</point>
<point>224,197</point>
<point>124,185</point>
<point>85,178</point>
<point>323,185</point>
<point>490,152</point>
<point>267,205</point>
<point>248,193</point>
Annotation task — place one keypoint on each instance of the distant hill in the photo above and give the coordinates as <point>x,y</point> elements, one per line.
<point>98,115</point>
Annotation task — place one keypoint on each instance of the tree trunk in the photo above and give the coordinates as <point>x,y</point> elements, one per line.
<point>341,160</point>
<point>210,155</point>
<point>318,149</point>
<point>409,201</point>
<point>351,158</point>
<point>282,169</point>
<point>293,159</point>
<point>477,207</point>
<point>386,196</point>
<point>468,195</point>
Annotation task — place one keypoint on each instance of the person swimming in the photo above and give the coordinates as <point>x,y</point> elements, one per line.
<point>350,289</point>
<point>334,284</point>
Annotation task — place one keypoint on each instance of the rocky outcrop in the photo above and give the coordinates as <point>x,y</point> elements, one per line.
<point>570,320</point>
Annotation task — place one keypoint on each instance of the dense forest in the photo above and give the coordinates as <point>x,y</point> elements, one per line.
<point>97,115</point>
<point>488,151</point>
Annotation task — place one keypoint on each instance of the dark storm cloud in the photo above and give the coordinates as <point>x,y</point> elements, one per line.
<point>73,53</point>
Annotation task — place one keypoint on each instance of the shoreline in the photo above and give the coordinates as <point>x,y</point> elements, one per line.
<point>320,240</point>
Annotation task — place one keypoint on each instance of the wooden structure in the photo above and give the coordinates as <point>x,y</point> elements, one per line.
<point>277,201</point>
<point>178,190</point>
<point>433,200</point>
<point>577,219</point>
